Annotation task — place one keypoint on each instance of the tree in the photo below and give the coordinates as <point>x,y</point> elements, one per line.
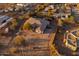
<point>13,24</point>
<point>27,26</point>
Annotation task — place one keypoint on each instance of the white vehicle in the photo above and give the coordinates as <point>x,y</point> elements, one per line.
<point>4,20</point>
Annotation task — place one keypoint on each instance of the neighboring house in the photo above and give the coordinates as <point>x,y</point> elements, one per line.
<point>40,24</point>
<point>49,7</point>
<point>4,20</point>
<point>20,4</point>
<point>75,10</point>
<point>76,14</point>
<point>62,15</point>
<point>76,19</point>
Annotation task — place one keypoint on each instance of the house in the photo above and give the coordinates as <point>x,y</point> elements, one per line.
<point>19,4</point>
<point>49,7</point>
<point>62,15</point>
<point>39,23</point>
<point>4,20</point>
